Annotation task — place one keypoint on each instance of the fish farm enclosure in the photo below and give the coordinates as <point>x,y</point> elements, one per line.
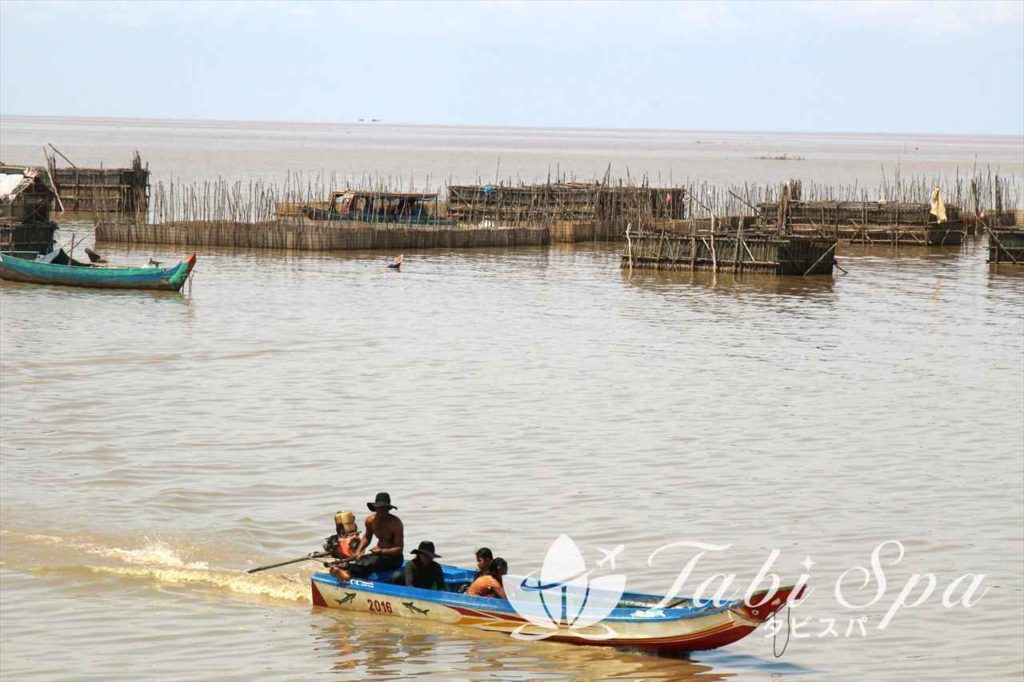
<point>788,229</point>
<point>736,252</point>
<point>102,191</point>
<point>1006,245</point>
<point>866,222</point>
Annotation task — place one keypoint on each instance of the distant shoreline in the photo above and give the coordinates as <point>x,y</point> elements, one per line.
<point>257,124</point>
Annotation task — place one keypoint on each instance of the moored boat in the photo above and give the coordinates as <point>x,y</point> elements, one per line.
<point>634,622</point>
<point>58,268</point>
<point>402,208</point>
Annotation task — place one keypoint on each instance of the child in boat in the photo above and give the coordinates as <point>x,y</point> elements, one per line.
<point>484,557</point>
<point>490,585</point>
<point>423,571</point>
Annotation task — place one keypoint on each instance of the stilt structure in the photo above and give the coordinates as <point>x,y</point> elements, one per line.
<point>731,245</point>
<point>102,191</point>
<point>1006,245</point>
<point>26,201</point>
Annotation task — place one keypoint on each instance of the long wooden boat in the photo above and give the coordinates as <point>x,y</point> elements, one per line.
<point>321,214</point>
<point>75,274</point>
<point>685,625</point>
<point>402,208</point>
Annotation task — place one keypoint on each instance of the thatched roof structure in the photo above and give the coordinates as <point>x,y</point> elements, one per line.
<point>26,194</point>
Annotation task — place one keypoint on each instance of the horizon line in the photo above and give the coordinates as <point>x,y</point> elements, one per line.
<point>371,123</point>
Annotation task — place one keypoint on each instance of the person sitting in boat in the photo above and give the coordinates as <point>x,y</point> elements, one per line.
<point>484,557</point>
<point>423,571</point>
<point>490,585</point>
<point>387,555</point>
<point>345,541</point>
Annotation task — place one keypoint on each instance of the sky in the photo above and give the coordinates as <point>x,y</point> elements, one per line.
<point>893,66</point>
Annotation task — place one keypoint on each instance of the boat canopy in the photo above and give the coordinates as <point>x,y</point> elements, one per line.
<point>379,203</point>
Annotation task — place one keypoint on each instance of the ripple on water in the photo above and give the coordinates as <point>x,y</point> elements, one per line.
<point>504,398</point>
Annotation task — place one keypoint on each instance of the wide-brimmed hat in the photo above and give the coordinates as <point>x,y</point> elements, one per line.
<point>427,547</point>
<point>382,501</point>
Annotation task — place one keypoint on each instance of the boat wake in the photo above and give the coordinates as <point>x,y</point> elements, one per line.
<point>154,561</point>
<point>273,587</point>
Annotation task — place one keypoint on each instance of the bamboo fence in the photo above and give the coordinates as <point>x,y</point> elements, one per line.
<point>263,202</point>
<point>222,212</point>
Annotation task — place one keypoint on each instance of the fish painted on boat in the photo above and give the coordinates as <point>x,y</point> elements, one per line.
<point>412,607</point>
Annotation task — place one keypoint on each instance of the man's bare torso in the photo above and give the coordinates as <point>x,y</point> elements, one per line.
<point>387,529</point>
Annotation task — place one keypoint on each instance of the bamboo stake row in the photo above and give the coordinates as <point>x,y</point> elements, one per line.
<point>259,201</point>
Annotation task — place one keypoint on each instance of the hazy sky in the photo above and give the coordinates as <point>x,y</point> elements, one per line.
<point>949,67</point>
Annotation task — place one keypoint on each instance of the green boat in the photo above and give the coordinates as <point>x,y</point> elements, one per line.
<point>58,268</point>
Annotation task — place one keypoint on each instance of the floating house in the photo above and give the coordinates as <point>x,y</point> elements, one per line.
<point>26,200</point>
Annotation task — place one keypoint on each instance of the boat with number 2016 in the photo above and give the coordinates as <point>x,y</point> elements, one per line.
<point>58,268</point>
<point>632,621</point>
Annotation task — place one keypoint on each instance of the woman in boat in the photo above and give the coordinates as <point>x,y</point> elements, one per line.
<point>423,571</point>
<point>490,585</point>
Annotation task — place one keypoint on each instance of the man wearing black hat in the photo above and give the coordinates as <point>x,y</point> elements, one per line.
<point>423,571</point>
<point>387,555</point>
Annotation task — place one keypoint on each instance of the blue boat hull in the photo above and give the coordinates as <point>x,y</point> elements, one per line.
<point>16,269</point>
<point>635,622</point>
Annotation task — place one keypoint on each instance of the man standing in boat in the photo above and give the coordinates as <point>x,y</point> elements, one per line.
<point>387,555</point>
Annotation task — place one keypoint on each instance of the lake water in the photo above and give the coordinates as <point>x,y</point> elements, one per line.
<point>154,446</point>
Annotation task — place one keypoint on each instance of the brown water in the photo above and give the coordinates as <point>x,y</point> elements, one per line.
<point>154,446</point>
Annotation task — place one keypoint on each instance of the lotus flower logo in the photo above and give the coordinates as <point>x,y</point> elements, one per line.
<point>565,596</point>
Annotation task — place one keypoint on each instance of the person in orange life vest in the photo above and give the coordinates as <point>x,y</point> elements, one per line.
<point>490,585</point>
